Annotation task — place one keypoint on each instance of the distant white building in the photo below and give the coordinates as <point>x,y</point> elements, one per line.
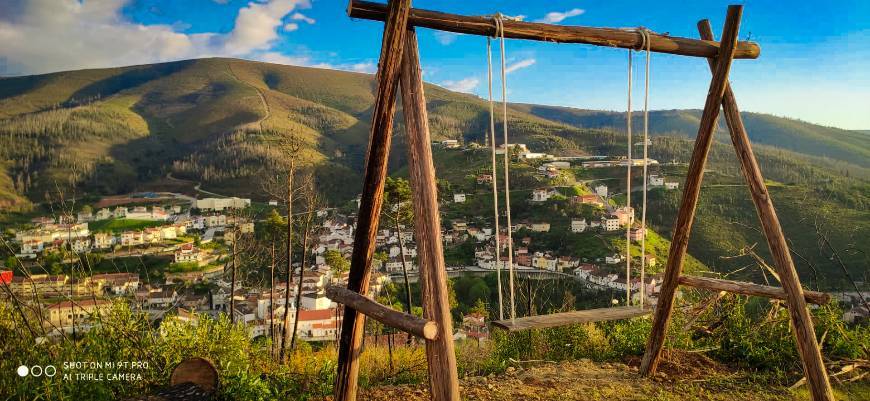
<point>103,240</point>
<point>613,259</point>
<point>219,204</point>
<point>672,185</point>
<point>542,194</point>
<point>459,198</point>
<point>544,261</point>
<point>656,181</point>
<point>610,223</point>
<point>103,214</point>
<point>601,190</point>
<point>542,227</point>
<point>578,225</point>
<point>188,253</point>
<point>450,143</point>
<point>520,148</point>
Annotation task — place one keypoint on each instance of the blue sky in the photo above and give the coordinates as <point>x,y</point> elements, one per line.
<point>812,66</point>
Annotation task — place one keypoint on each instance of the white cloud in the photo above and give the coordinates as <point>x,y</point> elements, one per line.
<point>54,35</point>
<point>279,58</point>
<point>466,85</point>
<point>445,38</point>
<point>519,65</point>
<point>291,26</point>
<point>368,67</point>
<point>556,17</point>
<point>256,25</point>
<point>300,17</point>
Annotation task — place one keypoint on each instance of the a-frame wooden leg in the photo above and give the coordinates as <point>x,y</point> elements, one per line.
<point>440,355</point>
<point>691,191</point>
<point>389,67</point>
<point>802,324</point>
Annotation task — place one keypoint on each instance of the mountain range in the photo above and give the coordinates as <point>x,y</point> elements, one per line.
<point>225,123</point>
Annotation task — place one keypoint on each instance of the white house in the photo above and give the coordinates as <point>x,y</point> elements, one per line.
<point>103,240</point>
<point>672,185</point>
<point>520,148</point>
<point>459,198</point>
<point>315,301</point>
<point>161,299</point>
<point>656,181</point>
<point>542,194</point>
<point>103,214</point>
<point>80,245</point>
<point>544,261</point>
<point>540,227</point>
<point>188,253</point>
<point>219,204</point>
<point>450,143</point>
<point>610,223</point>
<point>410,251</point>
<point>394,265</point>
<point>578,225</point>
<point>613,259</point>
<point>601,190</point>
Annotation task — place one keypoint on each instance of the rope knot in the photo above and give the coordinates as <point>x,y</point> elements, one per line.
<point>644,38</point>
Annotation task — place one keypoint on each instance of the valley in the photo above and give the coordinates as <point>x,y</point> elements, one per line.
<point>120,130</point>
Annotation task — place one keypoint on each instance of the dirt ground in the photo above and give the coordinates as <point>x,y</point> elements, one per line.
<point>694,379</point>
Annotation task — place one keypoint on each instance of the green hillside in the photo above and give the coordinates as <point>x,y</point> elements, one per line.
<point>222,123</point>
<point>785,133</point>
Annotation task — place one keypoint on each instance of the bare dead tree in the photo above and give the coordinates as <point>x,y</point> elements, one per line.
<point>313,203</point>
<point>272,299</point>
<point>835,256</point>
<point>291,146</point>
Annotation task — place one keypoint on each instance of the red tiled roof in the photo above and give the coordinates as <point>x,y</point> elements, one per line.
<point>316,314</point>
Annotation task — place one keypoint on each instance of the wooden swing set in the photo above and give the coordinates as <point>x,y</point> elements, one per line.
<point>399,66</point>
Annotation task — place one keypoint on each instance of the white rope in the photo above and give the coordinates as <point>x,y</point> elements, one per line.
<point>628,191</point>
<point>499,23</point>
<point>494,180</point>
<point>645,35</point>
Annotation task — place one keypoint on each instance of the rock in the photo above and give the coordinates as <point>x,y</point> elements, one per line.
<point>510,369</point>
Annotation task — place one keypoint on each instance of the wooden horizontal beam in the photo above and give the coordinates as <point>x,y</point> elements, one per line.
<point>742,287</point>
<point>408,323</point>
<point>573,317</point>
<point>609,37</point>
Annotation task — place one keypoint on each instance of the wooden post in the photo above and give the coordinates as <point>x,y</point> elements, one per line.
<point>691,191</point>
<point>802,323</point>
<point>608,37</point>
<point>372,197</point>
<point>403,321</point>
<point>440,355</point>
<point>741,287</point>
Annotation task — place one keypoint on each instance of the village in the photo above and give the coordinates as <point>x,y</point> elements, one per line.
<point>197,238</point>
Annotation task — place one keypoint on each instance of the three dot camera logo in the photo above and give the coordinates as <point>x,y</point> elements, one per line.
<point>37,371</point>
<point>88,370</point>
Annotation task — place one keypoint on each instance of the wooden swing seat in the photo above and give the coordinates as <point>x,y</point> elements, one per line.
<point>573,317</point>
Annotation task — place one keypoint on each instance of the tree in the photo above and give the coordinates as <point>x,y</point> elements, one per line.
<point>291,146</point>
<point>312,205</point>
<point>399,212</point>
<point>242,244</point>
<point>337,263</point>
<point>273,227</point>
